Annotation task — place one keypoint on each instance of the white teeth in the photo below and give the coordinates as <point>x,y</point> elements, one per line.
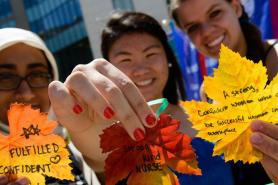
<point>216,41</point>
<point>144,83</point>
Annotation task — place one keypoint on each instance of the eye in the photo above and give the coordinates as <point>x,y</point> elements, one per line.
<point>7,81</point>
<point>193,28</point>
<point>215,13</point>
<point>150,55</point>
<point>122,61</point>
<point>39,79</point>
<point>6,77</point>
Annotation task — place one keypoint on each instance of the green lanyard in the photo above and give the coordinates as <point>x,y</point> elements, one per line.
<point>164,104</point>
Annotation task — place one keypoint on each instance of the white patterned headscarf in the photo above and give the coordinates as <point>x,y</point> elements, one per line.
<point>11,36</point>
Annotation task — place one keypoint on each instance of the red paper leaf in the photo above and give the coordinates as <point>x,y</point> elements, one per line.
<point>148,161</point>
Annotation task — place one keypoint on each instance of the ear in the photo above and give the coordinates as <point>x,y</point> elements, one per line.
<point>236,5</point>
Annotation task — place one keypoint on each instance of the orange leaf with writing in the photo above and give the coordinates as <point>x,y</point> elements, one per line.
<point>31,149</point>
<point>239,90</point>
<point>147,162</point>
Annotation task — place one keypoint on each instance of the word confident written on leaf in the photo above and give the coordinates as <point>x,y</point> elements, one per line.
<point>239,90</point>
<point>149,161</point>
<point>31,149</point>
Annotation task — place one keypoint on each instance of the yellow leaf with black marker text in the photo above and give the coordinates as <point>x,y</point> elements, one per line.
<point>240,93</point>
<point>31,149</point>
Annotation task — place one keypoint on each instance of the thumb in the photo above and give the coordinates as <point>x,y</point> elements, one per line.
<point>68,111</point>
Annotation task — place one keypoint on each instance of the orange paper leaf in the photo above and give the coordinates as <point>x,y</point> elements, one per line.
<point>148,161</point>
<point>239,90</point>
<point>31,149</point>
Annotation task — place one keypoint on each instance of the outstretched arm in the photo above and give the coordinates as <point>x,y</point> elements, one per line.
<point>92,98</point>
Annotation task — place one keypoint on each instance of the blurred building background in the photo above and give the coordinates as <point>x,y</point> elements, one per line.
<point>72,29</point>
<point>97,12</point>
<point>59,23</point>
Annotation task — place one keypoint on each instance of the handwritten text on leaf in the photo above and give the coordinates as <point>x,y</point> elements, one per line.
<point>31,149</point>
<point>239,91</point>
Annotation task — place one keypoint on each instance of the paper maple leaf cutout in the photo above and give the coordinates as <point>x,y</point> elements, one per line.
<point>238,89</point>
<point>31,149</point>
<point>148,161</point>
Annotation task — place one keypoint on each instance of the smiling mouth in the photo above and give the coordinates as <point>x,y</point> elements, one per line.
<point>144,83</point>
<point>216,42</point>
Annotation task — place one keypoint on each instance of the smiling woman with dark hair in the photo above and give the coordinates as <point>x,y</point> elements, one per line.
<point>122,24</point>
<point>208,23</point>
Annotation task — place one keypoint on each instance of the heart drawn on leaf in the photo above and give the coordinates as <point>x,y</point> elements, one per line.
<point>56,159</point>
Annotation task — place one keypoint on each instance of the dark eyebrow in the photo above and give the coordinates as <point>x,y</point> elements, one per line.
<point>144,50</point>
<point>121,53</point>
<point>212,7</point>
<point>30,66</point>
<point>35,65</point>
<point>151,47</point>
<point>209,10</point>
<point>7,66</point>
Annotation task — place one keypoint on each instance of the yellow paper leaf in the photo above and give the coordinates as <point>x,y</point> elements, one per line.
<point>239,91</point>
<point>31,149</point>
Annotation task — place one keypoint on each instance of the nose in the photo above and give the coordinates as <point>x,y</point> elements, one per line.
<point>24,92</point>
<point>140,69</point>
<point>207,29</point>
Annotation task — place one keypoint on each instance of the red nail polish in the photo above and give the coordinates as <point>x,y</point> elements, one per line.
<point>108,113</point>
<point>139,134</point>
<point>150,119</point>
<point>77,109</point>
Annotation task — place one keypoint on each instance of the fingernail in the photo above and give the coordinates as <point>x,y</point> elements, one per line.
<point>151,119</point>
<point>256,139</point>
<point>139,134</point>
<point>77,109</point>
<point>108,113</point>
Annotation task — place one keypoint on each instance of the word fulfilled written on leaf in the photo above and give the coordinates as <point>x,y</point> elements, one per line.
<point>148,161</point>
<point>240,95</point>
<point>34,150</point>
<point>31,149</point>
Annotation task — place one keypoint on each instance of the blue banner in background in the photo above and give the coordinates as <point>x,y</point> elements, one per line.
<point>260,14</point>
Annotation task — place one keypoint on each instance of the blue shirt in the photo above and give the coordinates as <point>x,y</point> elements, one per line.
<point>214,169</point>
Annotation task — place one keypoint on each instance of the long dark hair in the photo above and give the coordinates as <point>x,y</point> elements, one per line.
<point>135,22</point>
<point>252,35</point>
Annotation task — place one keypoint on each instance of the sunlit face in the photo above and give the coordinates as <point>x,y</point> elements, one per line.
<point>209,23</point>
<point>22,60</point>
<point>142,58</point>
